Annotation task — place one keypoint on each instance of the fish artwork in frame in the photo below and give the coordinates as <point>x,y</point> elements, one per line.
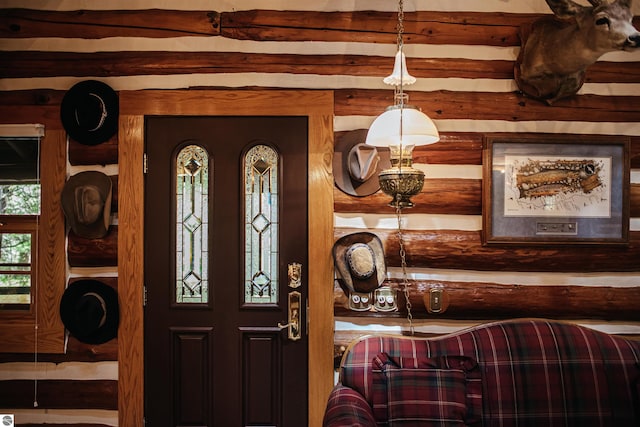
<point>555,189</point>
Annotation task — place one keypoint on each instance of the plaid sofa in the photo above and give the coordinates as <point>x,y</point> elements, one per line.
<point>521,372</point>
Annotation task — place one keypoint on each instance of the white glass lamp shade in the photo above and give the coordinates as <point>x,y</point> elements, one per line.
<point>400,75</point>
<point>417,128</point>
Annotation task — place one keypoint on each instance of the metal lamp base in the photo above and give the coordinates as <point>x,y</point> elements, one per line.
<point>401,184</point>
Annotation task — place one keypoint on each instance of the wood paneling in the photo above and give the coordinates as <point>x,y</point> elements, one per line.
<point>130,272</point>
<point>19,328</point>
<point>320,207</point>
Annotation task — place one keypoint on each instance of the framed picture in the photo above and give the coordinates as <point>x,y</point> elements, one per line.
<point>554,189</point>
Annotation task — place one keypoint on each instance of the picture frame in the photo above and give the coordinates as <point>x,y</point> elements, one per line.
<point>555,189</point>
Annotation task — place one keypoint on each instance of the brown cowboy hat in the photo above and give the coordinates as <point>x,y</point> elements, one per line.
<point>356,165</point>
<point>89,310</point>
<point>89,112</point>
<point>86,202</point>
<point>359,261</point>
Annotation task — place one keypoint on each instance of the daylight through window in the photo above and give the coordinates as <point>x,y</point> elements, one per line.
<point>19,217</point>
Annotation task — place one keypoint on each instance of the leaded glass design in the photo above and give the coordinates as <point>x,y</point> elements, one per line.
<point>192,225</point>
<point>261,225</point>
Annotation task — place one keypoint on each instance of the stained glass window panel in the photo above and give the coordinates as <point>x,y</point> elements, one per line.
<point>261,225</point>
<point>192,225</point>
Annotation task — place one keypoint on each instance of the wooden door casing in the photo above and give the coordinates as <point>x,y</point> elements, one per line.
<point>134,106</point>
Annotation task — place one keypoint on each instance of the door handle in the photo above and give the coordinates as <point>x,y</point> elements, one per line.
<point>293,324</point>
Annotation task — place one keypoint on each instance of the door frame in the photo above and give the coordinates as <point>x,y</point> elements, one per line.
<point>317,106</point>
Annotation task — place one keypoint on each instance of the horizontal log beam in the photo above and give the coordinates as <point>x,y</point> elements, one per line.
<point>452,249</point>
<point>494,29</point>
<point>25,64</point>
<point>76,352</point>
<point>454,148</point>
<point>60,394</point>
<point>466,300</point>
<point>432,27</point>
<point>105,153</point>
<point>97,24</point>
<point>439,196</point>
<point>48,115</point>
<point>497,29</point>
<point>44,104</point>
<point>103,252</point>
<point>493,106</point>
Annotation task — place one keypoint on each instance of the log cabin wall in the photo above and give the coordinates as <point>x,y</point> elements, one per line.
<point>463,57</point>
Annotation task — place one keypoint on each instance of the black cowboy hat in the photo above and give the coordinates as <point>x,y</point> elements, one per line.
<point>89,310</point>
<point>89,112</point>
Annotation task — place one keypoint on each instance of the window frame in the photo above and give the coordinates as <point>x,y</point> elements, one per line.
<point>23,224</point>
<point>18,330</point>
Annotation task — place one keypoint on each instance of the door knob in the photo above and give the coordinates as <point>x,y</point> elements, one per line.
<point>293,324</point>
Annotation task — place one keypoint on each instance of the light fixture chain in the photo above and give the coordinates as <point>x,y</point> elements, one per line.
<point>401,95</point>
<point>400,22</point>
<point>403,264</point>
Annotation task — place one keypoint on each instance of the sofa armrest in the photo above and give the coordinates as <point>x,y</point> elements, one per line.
<point>346,407</point>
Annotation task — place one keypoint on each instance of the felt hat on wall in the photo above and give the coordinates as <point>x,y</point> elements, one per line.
<point>86,202</point>
<point>89,112</point>
<point>89,310</point>
<point>359,262</point>
<point>356,165</point>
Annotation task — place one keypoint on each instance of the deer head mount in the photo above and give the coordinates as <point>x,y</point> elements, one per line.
<point>556,50</point>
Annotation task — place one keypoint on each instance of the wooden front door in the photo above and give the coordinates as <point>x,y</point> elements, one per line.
<point>225,224</point>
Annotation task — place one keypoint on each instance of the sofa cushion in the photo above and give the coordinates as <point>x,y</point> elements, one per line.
<point>347,408</point>
<point>534,371</point>
<point>435,391</point>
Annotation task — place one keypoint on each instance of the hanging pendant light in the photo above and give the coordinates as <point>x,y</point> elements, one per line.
<point>401,127</point>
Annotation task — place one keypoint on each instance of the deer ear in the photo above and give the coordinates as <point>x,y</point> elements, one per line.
<point>565,9</point>
<point>625,3</point>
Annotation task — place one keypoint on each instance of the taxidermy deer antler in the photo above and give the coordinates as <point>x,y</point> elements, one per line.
<point>558,49</point>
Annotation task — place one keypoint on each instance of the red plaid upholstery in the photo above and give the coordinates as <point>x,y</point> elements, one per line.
<point>425,392</point>
<point>534,372</point>
<point>347,408</point>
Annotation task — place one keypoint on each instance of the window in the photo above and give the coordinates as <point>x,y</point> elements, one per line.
<point>192,228</point>
<point>19,217</point>
<point>261,225</point>
<point>32,238</point>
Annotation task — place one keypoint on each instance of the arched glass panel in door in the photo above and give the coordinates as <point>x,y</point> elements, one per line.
<point>192,225</point>
<point>261,225</point>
